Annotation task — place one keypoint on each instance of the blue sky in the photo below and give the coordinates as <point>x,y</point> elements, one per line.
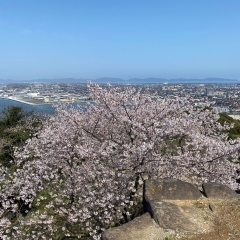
<point>119,38</point>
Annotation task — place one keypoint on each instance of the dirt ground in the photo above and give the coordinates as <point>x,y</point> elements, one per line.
<point>226,222</point>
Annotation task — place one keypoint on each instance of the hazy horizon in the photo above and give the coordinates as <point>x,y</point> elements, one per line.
<point>109,80</point>
<point>124,79</point>
<point>121,39</point>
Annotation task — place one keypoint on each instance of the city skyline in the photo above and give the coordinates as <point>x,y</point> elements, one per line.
<point>119,39</point>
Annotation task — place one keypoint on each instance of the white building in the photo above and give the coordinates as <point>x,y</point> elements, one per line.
<point>33,94</point>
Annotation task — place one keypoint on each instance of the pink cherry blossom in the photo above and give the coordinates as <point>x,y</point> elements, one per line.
<point>93,162</point>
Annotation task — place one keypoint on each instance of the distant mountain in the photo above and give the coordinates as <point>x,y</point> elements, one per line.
<point>110,80</point>
<point>7,81</point>
<point>183,80</point>
<point>61,80</point>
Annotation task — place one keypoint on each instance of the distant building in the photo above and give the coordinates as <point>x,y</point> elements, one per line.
<point>33,94</point>
<point>222,109</point>
<point>209,92</point>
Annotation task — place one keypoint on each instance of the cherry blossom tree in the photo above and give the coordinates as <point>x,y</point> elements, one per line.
<point>87,165</point>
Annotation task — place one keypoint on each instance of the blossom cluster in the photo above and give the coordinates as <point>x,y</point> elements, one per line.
<point>87,166</point>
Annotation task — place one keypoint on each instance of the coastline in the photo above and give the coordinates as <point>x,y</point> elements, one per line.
<point>6,102</point>
<point>25,102</point>
<point>40,103</point>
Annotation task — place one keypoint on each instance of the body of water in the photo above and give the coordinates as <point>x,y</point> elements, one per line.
<point>41,109</point>
<point>44,109</point>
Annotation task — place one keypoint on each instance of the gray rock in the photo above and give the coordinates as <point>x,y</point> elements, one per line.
<point>140,228</point>
<point>169,189</point>
<point>218,190</point>
<point>171,216</point>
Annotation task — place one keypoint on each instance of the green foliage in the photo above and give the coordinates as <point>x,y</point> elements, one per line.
<point>34,223</point>
<point>224,118</point>
<point>12,116</point>
<point>169,238</point>
<point>233,132</point>
<point>41,200</point>
<point>14,130</point>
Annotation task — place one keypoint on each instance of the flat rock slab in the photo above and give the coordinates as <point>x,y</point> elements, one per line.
<point>140,228</point>
<point>182,216</point>
<point>219,191</point>
<point>170,216</point>
<point>170,189</point>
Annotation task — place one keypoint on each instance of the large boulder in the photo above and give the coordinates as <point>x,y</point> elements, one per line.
<point>176,205</point>
<point>140,228</point>
<point>171,216</point>
<point>187,216</point>
<point>218,190</point>
<point>170,189</point>
<point>178,209</point>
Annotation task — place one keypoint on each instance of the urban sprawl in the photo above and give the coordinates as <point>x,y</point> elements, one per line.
<point>226,97</point>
